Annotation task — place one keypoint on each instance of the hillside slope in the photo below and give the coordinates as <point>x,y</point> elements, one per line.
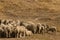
<point>44,10</point>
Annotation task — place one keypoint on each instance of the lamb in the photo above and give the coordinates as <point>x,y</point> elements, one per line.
<point>28,33</point>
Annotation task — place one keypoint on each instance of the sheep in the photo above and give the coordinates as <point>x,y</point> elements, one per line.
<point>40,28</point>
<point>18,22</point>
<point>28,33</point>
<point>9,21</point>
<point>10,29</point>
<point>33,26</point>
<point>22,23</point>
<point>45,26</point>
<point>14,32</point>
<point>1,31</point>
<point>3,21</point>
<point>7,29</point>
<point>52,29</point>
<point>14,23</point>
<point>20,31</point>
<point>29,25</point>
<point>3,26</point>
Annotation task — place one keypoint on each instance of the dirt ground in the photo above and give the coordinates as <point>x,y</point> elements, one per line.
<point>37,37</point>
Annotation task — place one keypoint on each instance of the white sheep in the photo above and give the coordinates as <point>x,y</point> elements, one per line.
<point>28,33</point>
<point>7,29</point>
<point>18,22</point>
<point>3,21</point>
<point>1,30</point>
<point>20,31</point>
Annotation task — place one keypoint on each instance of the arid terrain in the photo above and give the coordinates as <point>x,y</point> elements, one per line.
<point>44,11</point>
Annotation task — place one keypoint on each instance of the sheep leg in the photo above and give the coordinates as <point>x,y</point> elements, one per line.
<point>43,31</point>
<point>9,35</point>
<point>24,34</point>
<point>0,34</point>
<point>17,35</point>
<point>39,31</point>
<point>20,35</point>
<point>34,31</point>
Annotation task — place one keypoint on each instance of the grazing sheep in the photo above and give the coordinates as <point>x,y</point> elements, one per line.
<point>22,23</point>
<point>18,22</point>
<point>1,31</point>
<point>52,29</point>
<point>20,31</point>
<point>45,27</point>
<point>40,28</point>
<point>28,33</point>
<point>7,29</point>
<point>14,32</point>
<point>3,21</point>
<point>8,21</point>
<point>29,25</point>
<point>3,26</point>
<point>14,23</point>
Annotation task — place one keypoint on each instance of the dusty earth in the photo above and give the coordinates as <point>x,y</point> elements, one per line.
<point>37,37</point>
<point>43,11</point>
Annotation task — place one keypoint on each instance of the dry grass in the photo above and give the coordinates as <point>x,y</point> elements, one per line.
<point>46,11</point>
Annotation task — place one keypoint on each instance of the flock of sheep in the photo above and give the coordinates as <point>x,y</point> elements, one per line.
<point>17,28</point>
